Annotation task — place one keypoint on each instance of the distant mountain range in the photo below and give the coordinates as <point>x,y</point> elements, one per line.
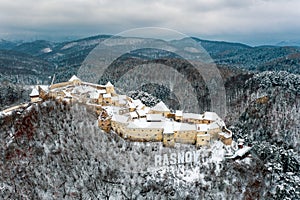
<point>293,43</point>
<point>64,58</point>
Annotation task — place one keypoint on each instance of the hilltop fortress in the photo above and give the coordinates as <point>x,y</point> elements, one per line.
<point>134,121</point>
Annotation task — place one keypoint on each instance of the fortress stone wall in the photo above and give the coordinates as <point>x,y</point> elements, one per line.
<point>134,121</point>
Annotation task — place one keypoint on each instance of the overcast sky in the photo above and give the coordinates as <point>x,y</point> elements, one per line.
<point>249,21</point>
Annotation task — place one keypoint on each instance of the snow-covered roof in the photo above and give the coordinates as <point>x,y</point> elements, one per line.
<point>154,117</point>
<point>161,106</point>
<point>137,102</point>
<point>34,93</point>
<point>109,110</point>
<point>102,91</point>
<point>146,109</point>
<point>120,118</point>
<point>179,113</point>
<point>93,85</point>
<point>143,124</point>
<point>133,115</point>
<point>131,105</point>
<point>8,111</point>
<point>184,126</point>
<point>203,135</point>
<point>212,116</point>
<point>176,126</point>
<point>67,99</point>
<point>115,98</point>
<point>226,135</point>
<point>220,122</point>
<point>140,107</point>
<point>168,128</point>
<point>94,95</point>
<point>241,152</point>
<point>106,95</point>
<point>202,127</point>
<point>122,101</point>
<point>74,77</point>
<point>108,84</point>
<point>67,94</point>
<point>192,116</point>
<point>44,87</point>
<point>214,125</point>
<point>122,97</point>
<point>112,109</point>
<point>141,113</point>
<point>83,89</point>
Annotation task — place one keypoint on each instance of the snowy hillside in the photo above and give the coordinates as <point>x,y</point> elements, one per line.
<point>57,151</point>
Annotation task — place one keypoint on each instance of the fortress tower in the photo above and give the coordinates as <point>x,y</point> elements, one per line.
<point>110,88</point>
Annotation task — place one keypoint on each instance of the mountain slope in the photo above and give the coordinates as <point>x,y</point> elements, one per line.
<point>57,151</point>
<point>8,45</point>
<point>272,113</point>
<point>262,59</point>
<point>23,68</point>
<point>220,48</point>
<point>67,57</point>
<point>36,48</point>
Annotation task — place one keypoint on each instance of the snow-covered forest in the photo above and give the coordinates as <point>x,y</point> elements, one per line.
<point>54,150</point>
<point>57,151</point>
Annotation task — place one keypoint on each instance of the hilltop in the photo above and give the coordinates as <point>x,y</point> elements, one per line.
<point>59,150</point>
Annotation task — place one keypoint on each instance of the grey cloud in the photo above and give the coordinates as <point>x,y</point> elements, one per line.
<point>229,18</point>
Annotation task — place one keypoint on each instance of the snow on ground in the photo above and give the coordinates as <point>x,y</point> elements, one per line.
<point>47,50</point>
<point>69,45</point>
